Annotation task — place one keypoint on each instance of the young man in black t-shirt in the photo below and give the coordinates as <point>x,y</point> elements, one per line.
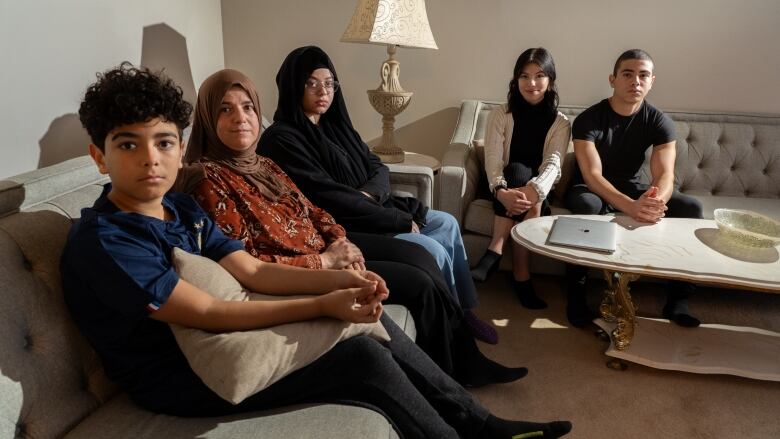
<point>611,139</point>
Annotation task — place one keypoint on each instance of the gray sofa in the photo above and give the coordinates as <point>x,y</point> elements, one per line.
<point>52,383</point>
<point>724,160</point>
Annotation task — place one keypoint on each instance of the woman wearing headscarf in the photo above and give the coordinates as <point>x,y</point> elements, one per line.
<point>313,140</point>
<point>251,199</point>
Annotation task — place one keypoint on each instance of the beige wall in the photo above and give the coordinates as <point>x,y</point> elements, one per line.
<point>716,55</point>
<point>51,49</point>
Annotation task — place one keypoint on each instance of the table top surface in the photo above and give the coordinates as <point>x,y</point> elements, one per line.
<point>675,248</point>
<point>417,159</point>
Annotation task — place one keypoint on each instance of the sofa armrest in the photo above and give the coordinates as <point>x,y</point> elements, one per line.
<point>459,176</point>
<point>412,181</point>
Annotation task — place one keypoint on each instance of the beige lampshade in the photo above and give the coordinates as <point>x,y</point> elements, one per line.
<point>396,22</point>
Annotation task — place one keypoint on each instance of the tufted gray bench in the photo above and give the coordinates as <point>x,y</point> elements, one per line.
<point>724,160</point>
<point>52,383</point>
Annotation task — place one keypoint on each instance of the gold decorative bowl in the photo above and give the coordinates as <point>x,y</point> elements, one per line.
<point>748,228</point>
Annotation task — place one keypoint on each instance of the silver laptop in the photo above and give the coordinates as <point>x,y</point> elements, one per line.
<point>583,233</point>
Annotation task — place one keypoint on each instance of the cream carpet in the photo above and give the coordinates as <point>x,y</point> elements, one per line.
<point>568,378</point>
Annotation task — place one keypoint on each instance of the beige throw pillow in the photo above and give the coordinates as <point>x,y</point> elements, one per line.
<point>239,364</point>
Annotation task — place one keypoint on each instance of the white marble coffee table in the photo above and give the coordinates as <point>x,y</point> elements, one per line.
<point>675,248</point>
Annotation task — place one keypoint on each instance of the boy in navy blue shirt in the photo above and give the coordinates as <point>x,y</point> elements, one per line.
<point>122,290</point>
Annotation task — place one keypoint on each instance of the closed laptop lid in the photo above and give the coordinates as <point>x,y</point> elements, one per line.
<point>583,233</point>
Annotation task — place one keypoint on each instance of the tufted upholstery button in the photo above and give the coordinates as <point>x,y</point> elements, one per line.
<point>27,265</point>
<point>700,165</point>
<point>27,345</point>
<point>765,171</point>
<point>733,167</point>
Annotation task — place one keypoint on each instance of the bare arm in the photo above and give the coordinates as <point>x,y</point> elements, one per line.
<point>648,208</point>
<point>189,306</point>
<point>662,169</point>
<point>590,165</point>
<point>280,279</point>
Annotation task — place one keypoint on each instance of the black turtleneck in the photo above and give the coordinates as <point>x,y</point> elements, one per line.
<point>532,122</point>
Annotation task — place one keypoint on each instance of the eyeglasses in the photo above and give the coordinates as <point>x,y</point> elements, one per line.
<point>312,86</point>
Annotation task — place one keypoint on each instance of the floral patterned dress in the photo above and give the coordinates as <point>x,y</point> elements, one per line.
<point>290,230</point>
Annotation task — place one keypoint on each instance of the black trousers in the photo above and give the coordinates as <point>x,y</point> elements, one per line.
<point>396,379</point>
<point>580,200</point>
<point>415,281</point>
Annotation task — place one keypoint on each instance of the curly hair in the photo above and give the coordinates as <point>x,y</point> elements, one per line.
<point>126,95</point>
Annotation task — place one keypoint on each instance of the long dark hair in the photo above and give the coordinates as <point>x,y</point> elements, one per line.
<point>542,58</point>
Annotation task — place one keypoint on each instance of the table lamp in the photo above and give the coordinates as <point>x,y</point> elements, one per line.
<point>393,23</point>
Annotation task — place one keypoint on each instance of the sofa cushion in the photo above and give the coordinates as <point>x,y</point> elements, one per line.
<point>49,376</point>
<point>121,419</point>
<point>479,217</point>
<point>239,364</point>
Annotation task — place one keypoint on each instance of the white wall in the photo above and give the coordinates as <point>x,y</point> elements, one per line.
<point>716,55</point>
<point>51,49</point>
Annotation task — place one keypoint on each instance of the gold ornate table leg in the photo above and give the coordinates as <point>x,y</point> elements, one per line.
<point>618,307</point>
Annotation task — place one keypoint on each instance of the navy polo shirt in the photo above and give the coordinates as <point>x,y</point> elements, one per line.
<point>116,269</point>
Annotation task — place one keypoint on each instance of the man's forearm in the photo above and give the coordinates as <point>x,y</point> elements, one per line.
<point>665,185</point>
<point>604,189</point>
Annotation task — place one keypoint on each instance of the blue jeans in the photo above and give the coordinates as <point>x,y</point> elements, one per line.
<point>441,237</point>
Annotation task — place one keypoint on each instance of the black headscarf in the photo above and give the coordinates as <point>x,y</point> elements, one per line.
<point>342,152</point>
<point>329,161</point>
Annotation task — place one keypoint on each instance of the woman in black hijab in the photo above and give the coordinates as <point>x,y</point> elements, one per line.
<point>313,140</point>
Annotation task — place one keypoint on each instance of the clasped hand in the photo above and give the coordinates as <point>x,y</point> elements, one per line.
<point>360,301</point>
<point>343,254</point>
<point>649,207</point>
<point>517,200</point>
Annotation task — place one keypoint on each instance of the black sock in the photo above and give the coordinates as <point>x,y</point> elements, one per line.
<point>525,292</point>
<point>486,265</point>
<point>503,429</point>
<point>677,311</point>
<point>475,369</point>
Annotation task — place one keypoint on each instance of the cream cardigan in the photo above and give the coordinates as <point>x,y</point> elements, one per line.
<point>498,139</point>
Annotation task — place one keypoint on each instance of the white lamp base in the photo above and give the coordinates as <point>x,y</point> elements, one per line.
<point>389,99</point>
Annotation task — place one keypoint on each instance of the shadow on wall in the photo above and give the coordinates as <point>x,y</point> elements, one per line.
<point>162,49</point>
<point>165,49</point>
<point>65,139</point>
<point>429,135</point>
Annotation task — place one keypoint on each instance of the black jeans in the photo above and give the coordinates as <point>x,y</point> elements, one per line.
<point>415,281</point>
<point>580,200</point>
<point>396,379</point>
